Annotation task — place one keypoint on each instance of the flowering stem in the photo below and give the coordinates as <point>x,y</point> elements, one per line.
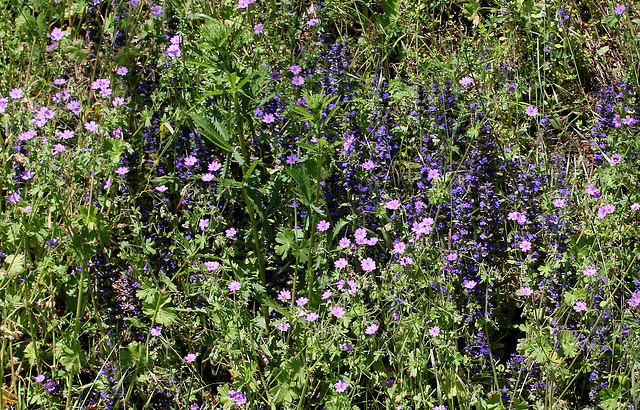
<point>311,275</point>
<point>250,210</point>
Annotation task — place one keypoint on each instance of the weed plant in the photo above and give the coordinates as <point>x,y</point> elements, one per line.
<point>329,205</point>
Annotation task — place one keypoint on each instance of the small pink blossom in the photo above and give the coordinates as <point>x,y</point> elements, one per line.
<point>368,265</point>
<point>341,263</point>
<point>525,246</point>
<point>580,306</point>
<point>284,295</point>
<point>525,291</point>
<point>531,111</point>
<point>338,312</point>
<point>371,329</point>
<point>323,225</point>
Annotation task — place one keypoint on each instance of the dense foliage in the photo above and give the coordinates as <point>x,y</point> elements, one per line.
<point>333,205</point>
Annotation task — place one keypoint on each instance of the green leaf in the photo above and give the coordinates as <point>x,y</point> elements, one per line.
<point>610,399</point>
<point>147,291</point>
<point>70,356</point>
<point>284,239</point>
<point>340,224</point>
<point>15,263</point>
<point>301,112</point>
<point>160,309</point>
<point>214,131</point>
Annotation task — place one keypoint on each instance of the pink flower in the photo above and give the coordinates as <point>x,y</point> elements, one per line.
<point>212,265</point>
<point>433,174</point>
<point>284,295</point>
<point>57,34</point>
<point>295,69</point>
<point>525,246</point>
<point>360,235</point>
<point>593,191</point>
<point>268,118</point>
<point>434,331</point>
<point>156,331</point>
<point>616,159</point>
<point>338,312</point>
<point>392,204</point>
<point>531,111</point>
<point>16,94</point>
<point>156,10</point>
<point>525,291</point>
<point>399,247</point>
<point>371,329</point>
<point>369,165</point>
<point>231,232</point>
<point>470,284</point>
<point>465,81</point>
<point>341,386</point>
<point>620,8</point>
<point>214,166</point>
<point>283,327</point>
<point>341,263</point>
<point>234,286</point>
<point>243,4</point>
<point>580,306</point>
<point>302,301</point>
<point>297,81</point>
<point>258,28</point>
<point>190,358</point>
<point>368,265</point>
<point>606,210</point>
<point>559,202</point>
<point>323,225</point>
<point>190,161</point>
<point>590,271</point>
<point>92,126</point>
<point>312,317</point>
<point>344,243</point>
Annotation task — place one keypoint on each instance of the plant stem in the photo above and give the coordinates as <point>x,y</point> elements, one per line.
<point>250,209</point>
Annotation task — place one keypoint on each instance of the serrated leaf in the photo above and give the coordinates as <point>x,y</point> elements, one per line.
<point>610,399</point>
<point>147,291</point>
<point>213,131</point>
<point>340,224</point>
<point>301,112</point>
<point>15,263</point>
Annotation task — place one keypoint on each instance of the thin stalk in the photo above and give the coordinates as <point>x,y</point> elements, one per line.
<point>4,346</point>
<point>250,209</point>
<point>311,273</point>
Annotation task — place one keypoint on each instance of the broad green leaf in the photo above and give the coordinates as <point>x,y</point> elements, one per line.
<point>14,263</point>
